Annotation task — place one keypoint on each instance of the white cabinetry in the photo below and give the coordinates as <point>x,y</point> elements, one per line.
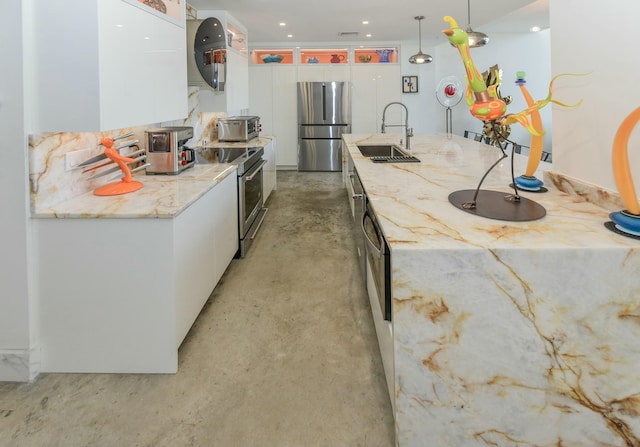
<point>373,87</point>
<point>119,295</point>
<point>384,332</point>
<point>235,97</point>
<point>224,226</point>
<point>237,82</point>
<point>105,64</point>
<point>269,170</point>
<point>272,88</point>
<point>323,73</point>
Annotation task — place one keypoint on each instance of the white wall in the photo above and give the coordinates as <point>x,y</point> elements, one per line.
<point>15,337</point>
<point>597,37</point>
<point>423,107</point>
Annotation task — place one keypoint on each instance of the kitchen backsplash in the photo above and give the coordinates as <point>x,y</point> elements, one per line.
<point>50,181</point>
<point>192,13</point>
<point>609,200</point>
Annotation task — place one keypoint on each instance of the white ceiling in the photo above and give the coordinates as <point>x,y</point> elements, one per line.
<point>314,21</point>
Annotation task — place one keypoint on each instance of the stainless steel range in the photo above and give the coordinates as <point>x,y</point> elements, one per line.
<point>250,164</point>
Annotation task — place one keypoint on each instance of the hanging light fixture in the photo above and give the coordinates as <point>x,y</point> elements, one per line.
<point>420,57</point>
<point>476,39</point>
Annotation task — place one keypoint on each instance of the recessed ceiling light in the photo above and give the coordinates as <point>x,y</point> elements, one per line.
<point>283,24</point>
<point>368,35</point>
<point>365,22</point>
<point>535,29</point>
<point>289,35</point>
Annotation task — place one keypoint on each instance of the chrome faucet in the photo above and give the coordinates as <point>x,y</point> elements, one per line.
<point>408,130</point>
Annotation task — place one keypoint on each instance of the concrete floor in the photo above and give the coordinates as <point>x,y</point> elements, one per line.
<point>284,353</point>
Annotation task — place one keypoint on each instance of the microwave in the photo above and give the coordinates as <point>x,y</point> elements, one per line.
<point>238,128</point>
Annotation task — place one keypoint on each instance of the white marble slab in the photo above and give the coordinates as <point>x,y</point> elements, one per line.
<point>19,365</point>
<point>162,196</point>
<point>505,333</point>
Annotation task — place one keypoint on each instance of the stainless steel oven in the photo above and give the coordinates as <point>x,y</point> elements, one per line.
<point>250,165</point>
<point>250,199</point>
<point>378,258</point>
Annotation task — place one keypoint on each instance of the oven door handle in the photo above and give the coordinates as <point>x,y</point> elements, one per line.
<point>374,250</point>
<point>248,177</point>
<point>354,196</point>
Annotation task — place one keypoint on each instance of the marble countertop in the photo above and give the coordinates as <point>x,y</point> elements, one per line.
<point>411,199</point>
<point>162,196</point>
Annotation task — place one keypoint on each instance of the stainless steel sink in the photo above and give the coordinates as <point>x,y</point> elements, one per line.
<point>381,150</point>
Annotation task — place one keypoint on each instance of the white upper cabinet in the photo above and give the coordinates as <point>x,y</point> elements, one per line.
<point>230,92</point>
<point>106,64</point>
<point>375,86</point>
<point>272,88</point>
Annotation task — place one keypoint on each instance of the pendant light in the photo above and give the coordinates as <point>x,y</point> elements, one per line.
<point>476,39</point>
<point>420,57</point>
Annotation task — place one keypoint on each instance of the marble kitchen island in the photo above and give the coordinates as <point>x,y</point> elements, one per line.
<point>503,333</point>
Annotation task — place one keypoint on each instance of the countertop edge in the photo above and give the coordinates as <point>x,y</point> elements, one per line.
<point>410,201</point>
<point>162,197</point>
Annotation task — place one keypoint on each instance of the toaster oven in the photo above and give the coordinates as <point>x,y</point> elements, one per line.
<point>166,150</point>
<point>238,128</point>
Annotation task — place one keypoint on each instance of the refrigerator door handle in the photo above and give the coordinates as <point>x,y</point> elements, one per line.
<point>324,102</point>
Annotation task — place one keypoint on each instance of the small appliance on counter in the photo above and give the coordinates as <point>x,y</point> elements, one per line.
<point>166,152</point>
<point>238,128</point>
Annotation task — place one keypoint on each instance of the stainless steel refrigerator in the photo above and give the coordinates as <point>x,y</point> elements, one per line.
<point>324,114</point>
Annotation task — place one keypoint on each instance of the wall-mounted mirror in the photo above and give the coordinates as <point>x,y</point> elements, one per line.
<point>210,52</point>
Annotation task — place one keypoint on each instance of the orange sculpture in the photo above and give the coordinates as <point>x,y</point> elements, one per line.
<point>628,220</point>
<point>486,105</point>
<point>126,184</point>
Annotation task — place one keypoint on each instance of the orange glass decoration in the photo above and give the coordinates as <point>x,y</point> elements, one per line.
<point>626,222</point>
<point>620,159</point>
<point>484,102</point>
<point>537,139</point>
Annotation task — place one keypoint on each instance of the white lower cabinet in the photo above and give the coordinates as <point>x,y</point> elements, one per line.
<point>269,170</point>
<point>119,295</point>
<point>384,332</point>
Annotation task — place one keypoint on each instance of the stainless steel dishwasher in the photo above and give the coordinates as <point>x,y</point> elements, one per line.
<point>378,258</point>
<point>358,198</point>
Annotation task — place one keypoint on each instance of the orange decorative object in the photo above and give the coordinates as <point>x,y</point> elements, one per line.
<point>621,170</point>
<point>537,139</point>
<point>484,103</point>
<point>126,184</point>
